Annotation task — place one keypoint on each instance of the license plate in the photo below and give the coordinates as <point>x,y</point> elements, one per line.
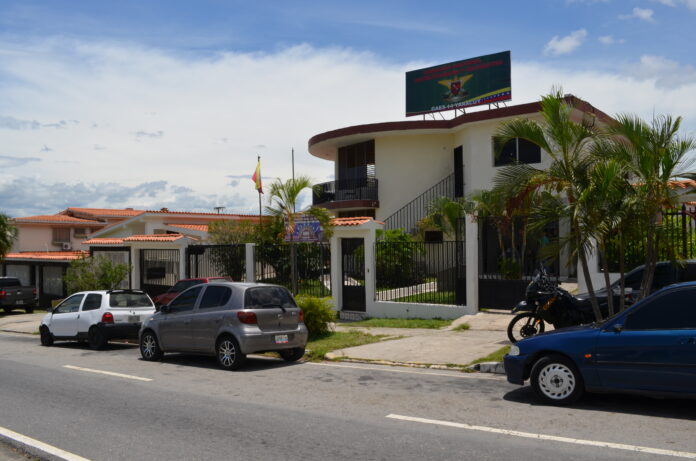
<point>133,318</point>
<point>20,301</point>
<point>281,339</point>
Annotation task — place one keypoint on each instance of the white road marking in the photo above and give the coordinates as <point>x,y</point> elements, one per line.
<point>413,372</point>
<point>109,373</point>
<point>553,438</point>
<point>44,447</point>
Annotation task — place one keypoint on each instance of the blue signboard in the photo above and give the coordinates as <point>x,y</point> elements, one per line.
<point>307,229</point>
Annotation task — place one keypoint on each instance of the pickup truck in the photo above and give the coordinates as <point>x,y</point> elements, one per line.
<point>14,296</point>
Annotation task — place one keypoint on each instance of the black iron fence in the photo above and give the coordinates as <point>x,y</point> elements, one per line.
<point>424,273</point>
<point>310,274</point>
<point>407,217</point>
<point>216,261</point>
<point>159,270</point>
<point>676,238</point>
<point>346,189</point>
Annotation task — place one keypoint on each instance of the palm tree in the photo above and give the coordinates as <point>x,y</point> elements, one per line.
<point>8,234</point>
<point>567,141</point>
<point>654,155</point>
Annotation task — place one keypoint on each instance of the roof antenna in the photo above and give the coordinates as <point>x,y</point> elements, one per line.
<point>219,209</point>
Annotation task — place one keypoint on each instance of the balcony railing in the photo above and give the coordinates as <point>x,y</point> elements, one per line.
<point>345,189</point>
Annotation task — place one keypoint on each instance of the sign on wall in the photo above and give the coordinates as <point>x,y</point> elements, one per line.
<point>307,229</point>
<point>472,82</point>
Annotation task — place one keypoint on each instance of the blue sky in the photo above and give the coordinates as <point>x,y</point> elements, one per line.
<point>167,103</point>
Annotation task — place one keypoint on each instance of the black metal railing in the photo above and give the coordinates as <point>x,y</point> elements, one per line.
<point>312,274</point>
<point>345,189</point>
<point>423,273</point>
<point>407,217</point>
<point>216,261</point>
<point>159,270</point>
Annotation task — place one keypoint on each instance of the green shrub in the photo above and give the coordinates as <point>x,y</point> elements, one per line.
<point>94,273</point>
<point>317,314</point>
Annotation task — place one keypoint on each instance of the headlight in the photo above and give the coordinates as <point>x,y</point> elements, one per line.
<point>514,350</point>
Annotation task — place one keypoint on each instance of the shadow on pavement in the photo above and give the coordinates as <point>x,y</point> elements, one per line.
<point>84,346</point>
<point>617,403</point>
<point>253,363</point>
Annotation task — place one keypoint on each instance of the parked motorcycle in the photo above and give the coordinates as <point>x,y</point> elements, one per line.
<point>546,302</point>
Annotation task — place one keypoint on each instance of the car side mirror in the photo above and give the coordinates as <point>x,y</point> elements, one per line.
<point>165,309</point>
<point>617,328</point>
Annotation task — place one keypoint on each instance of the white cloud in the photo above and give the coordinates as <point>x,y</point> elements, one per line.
<point>664,72</point>
<point>564,45</point>
<point>644,14</point>
<point>691,4</point>
<point>610,40</point>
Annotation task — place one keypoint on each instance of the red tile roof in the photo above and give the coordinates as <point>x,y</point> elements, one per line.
<point>48,255</point>
<point>154,238</point>
<point>193,227</point>
<point>195,213</point>
<point>57,219</point>
<point>683,183</point>
<point>105,212</point>
<point>357,221</point>
<point>103,241</point>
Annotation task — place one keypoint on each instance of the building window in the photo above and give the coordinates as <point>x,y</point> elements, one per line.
<point>61,235</point>
<point>357,161</point>
<point>370,213</point>
<point>516,151</point>
<point>81,233</point>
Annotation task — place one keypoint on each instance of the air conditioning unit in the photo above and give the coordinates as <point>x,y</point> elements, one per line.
<point>67,246</point>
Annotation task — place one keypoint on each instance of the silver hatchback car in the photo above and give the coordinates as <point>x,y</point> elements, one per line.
<point>228,320</point>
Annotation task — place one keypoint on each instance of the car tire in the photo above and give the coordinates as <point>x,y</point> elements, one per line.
<point>29,309</point>
<point>7,310</point>
<point>46,336</point>
<point>292,355</point>
<point>556,380</point>
<point>149,347</point>
<point>96,339</point>
<point>228,353</point>
<point>520,327</point>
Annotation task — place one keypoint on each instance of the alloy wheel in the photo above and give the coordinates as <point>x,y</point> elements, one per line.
<point>227,353</point>
<point>556,381</point>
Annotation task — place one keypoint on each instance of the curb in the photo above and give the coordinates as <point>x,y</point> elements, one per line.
<point>330,356</point>
<point>490,367</point>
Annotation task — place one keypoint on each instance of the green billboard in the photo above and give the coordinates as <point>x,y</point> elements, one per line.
<point>471,82</point>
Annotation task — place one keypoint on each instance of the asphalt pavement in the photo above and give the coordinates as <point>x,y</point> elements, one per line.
<point>112,405</point>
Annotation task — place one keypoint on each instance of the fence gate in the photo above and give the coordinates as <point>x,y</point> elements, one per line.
<point>216,261</point>
<point>353,274</point>
<point>159,270</point>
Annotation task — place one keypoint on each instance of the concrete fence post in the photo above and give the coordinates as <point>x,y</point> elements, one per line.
<point>250,262</point>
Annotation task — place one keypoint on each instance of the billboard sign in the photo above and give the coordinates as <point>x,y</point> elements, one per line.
<point>307,230</point>
<point>459,84</point>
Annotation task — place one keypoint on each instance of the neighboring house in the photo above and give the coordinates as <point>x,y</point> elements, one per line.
<point>47,244</point>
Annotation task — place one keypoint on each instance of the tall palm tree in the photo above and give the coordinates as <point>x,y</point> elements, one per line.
<point>655,155</point>
<point>8,234</point>
<point>568,142</point>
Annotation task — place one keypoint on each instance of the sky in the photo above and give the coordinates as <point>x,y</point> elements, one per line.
<point>168,103</point>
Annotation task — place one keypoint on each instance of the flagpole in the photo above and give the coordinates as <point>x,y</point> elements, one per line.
<point>293,174</point>
<point>259,191</point>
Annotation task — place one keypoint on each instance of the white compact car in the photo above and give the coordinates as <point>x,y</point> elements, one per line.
<point>97,316</point>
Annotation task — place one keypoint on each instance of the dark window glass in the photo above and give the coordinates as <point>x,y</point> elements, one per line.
<point>267,298</point>
<point>129,300</point>
<point>92,302</point>
<point>215,297</point>
<point>664,275</point>
<point>185,301</point>
<point>516,151</point>
<point>670,311</point>
<point>72,304</point>
<point>528,152</point>
<point>356,161</point>
<point>633,280</point>
<point>688,273</point>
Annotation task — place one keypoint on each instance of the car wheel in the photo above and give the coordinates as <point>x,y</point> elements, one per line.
<point>523,326</point>
<point>229,355</point>
<point>96,339</point>
<point>149,347</point>
<point>556,380</point>
<point>29,309</point>
<point>292,355</point>
<point>46,336</point>
<point>7,310</point>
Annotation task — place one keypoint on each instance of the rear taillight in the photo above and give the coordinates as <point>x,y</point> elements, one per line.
<point>2,293</point>
<point>108,317</point>
<point>301,316</point>
<point>247,317</point>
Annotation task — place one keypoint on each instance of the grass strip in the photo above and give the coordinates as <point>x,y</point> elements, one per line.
<point>400,323</point>
<point>318,347</point>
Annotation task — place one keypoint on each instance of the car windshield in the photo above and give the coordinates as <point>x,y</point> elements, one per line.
<point>129,300</point>
<point>268,297</point>
<point>9,283</point>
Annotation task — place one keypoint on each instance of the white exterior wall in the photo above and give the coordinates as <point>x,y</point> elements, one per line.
<point>408,165</point>
<point>40,238</point>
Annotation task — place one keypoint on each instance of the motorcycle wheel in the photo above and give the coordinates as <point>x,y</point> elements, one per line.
<point>524,325</point>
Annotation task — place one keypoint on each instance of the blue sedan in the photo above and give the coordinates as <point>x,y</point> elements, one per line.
<point>650,348</point>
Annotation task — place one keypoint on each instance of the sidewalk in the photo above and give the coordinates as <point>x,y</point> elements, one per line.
<point>19,322</point>
<point>487,334</point>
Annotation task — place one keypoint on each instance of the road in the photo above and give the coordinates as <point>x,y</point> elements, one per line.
<point>186,408</point>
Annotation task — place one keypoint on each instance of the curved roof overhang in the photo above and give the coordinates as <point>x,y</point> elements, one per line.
<point>325,145</point>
